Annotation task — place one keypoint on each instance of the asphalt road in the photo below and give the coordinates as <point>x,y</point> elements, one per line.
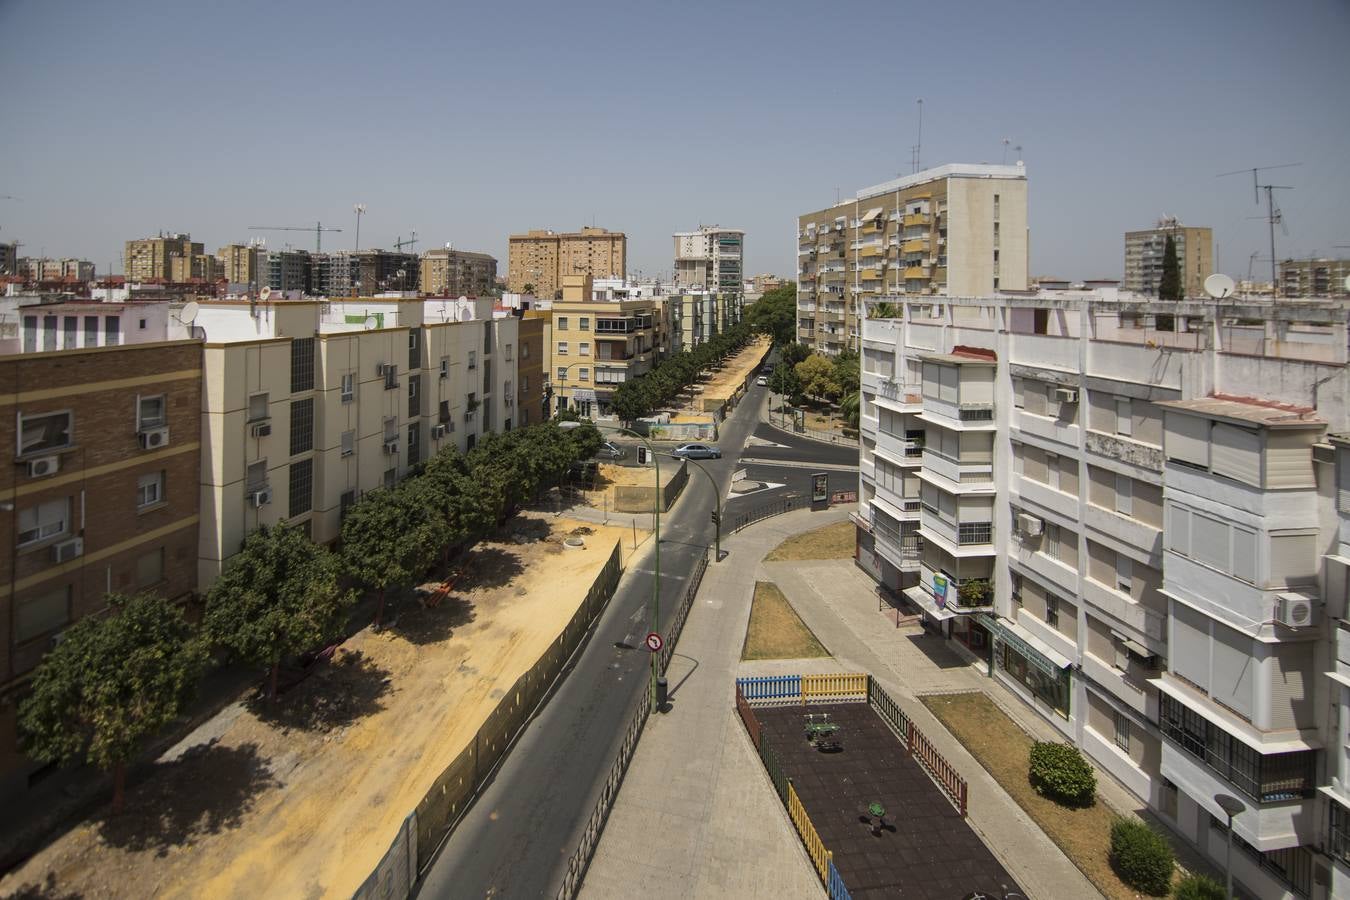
<point>517,837</point>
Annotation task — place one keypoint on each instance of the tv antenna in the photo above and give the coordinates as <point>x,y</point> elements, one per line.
<point>1006,142</point>
<point>918,146</point>
<point>1273,213</point>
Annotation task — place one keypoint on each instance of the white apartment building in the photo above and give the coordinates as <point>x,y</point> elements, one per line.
<point>1129,511</point>
<point>309,404</point>
<point>31,323</point>
<point>711,259</point>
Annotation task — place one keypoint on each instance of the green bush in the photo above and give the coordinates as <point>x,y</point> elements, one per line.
<point>1141,857</point>
<point>1198,887</point>
<point>1060,772</point>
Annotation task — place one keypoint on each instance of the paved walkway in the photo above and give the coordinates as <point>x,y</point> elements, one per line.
<point>697,815</point>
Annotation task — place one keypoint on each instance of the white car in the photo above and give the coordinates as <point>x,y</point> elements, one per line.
<point>762,381</point>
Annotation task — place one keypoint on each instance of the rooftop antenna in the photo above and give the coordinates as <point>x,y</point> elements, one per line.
<point>918,147</point>
<point>1006,142</point>
<point>1273,214</point>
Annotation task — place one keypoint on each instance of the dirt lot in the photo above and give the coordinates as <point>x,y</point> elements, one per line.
<point>302,797</point>
<point>612,476</point>
<point>835,541</point>
<point>775,630</point>
<point>731,376</point>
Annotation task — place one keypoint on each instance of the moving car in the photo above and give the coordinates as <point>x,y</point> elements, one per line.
<point>762,381</point>
<point>610,450</point>
<point>696,451</point>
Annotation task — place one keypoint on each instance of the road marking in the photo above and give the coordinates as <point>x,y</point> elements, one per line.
<point>797,464</point>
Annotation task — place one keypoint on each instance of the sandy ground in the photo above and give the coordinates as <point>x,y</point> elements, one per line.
<point>725,381</point>
<point>302,797</point>
<point>612,476</point>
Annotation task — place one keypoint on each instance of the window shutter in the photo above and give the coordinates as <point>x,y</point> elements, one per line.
<point>1236,453</point>
<point>1187,439</point>
<point>1233,670</point>
<point>1343,480</point>
<point>1244,554</point>
<point>1209,541</point>
<point>1124,493</point>
<point>949,379</point>
<point>1188,648</point>
<point>1178,528</point>
<point>1124,419</point>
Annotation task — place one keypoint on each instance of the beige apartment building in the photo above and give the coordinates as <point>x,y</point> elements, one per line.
<point>242,263</point>
<point>201,267</point>
<point>307,405</point>
<point>542,258</point>
<point>958,229</point>
<point>151,259</point>
<point>596,345</point>
<point>458,273</point>
<point>1315,278</point>
<point>1144,251</point>
<point>710,259</point>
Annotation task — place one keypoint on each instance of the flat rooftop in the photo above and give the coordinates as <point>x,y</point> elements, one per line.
<point>1249,410</point>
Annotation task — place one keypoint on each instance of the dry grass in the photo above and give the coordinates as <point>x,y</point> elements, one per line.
<point>1005,751</point>
<point>776,632</point>
<point>827,542</point>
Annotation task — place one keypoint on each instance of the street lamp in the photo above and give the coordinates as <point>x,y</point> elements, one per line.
<point>656,578</point>
<point>359,209</point>
<point>717,513</point>
<point>1231,806</point>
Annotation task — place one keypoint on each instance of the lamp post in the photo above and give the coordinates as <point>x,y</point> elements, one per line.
<point>1231,806</point>
<point>359,209</point>
<point>717,513</point>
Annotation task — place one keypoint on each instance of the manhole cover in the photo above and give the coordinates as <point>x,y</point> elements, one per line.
<point>574,542</point>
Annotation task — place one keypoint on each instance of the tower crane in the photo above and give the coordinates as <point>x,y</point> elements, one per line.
<point>318,228</point>
<point>411,242</point>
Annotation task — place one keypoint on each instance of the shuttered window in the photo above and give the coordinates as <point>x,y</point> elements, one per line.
<point>949,380</point>
<point>1343,481</point>
<point>1178,529</point>
<point>1289,463</point>
<point>1187,439</point>
<point>1209,541</point>
<point>1244,554</point>
<point>1124,493</point>
<point>1293,557</point>
<point>1236,453</point>
<point>1188,648</point>
<point>1233,670</point>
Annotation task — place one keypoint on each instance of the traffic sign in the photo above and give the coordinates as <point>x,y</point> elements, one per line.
<point>654,642</point>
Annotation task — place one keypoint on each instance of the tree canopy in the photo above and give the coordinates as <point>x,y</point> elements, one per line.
<point>1169,285</point>
<point>775,314</point>
<point>817,377</point>
<point>647,393</point>
<point>111,682</point>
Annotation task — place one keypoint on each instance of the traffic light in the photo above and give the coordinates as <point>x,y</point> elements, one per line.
<point>716,517</point>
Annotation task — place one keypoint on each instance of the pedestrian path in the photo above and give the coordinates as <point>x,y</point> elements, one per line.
<point>697,815</point>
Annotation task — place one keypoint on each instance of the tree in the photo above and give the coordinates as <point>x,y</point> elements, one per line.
<point>784,381</point>
<point>775,314</point>
<point>111,682</point>
<point>1169,286</point>
<point>279,596</point>
<point>849,406</point>
<point>795,353</point>
<point>817,376</point>
<point>527,289</point>
<point>375,548</point>
<point>846,372</point>
<point>883,310</point>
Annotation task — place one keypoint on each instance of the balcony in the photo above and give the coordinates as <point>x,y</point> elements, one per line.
<point>919,245</point>
<point>970,472</point>
<point>956,594</point>
<point>960,539</point>
<point>917,272</point>
<point>917,219</point>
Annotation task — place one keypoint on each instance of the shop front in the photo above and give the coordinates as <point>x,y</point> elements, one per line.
<point>1030,665</point>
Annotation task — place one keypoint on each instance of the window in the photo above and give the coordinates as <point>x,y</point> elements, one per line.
<point>508,352</point>
<point>445,367</point>
<point>150,412</point>
<point>390,376</point>
<point>149,489</point>
<point>302,364</point>
<point>112,331</point>
<point>1124,493</point>
<point>348,443</point>
<point>1050,540</point>
<point>1124,574</point>
<point>1052,470</point>
<point>1122,724</point>
<point>443,413</point>
<point>560,323</point>
<point>257,407</point>
<point>43,433</point>
<point>524,384</point>
<point>255,478</point>
<point>90,332</point>
<point>524,351</point>
<point>150,568</point>
<point>391,429</point>
<point>1052,611</point>
<point>562,348</point>
<point>1124,425</point>
<point>473,359</point>
<point>41,614</point>
<point>301,487</point>
<point>562,373</point>
<point>584,323</point>
<point>46,520</point>
<point>390,477</point>
<point>584,349</point>
<point>70,327</point>
<point>345,503</point>
<point>302,425</point>
<point>583,374</point>
<point>348,387</point>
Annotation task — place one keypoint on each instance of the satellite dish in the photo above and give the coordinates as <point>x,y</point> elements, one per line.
<point>188,314</point>
<point>371,323</point>
<point>264,294</point>
<point>1219,286</point>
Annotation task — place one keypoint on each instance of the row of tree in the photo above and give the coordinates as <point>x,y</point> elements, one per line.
<point>115,680</point>
<point>658,388</point>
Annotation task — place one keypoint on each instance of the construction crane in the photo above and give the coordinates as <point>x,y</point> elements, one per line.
<point>318,228</point>
<point>411,242</point>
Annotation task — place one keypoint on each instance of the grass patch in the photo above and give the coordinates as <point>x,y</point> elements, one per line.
<point>776,632</point>
<point>1005,751</point>
<point>827,542</point>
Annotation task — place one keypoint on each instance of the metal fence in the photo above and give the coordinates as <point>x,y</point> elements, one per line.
<point>441,808</point>
<point>595,826</point>
<point>768,510</point>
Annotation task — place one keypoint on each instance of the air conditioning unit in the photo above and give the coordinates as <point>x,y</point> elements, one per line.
<point>43,465</point>
<point>380,369</point>
<point>1028,524</point>
<point>437,431</point>
<point>1294,611</point>
<point>1066,395</point>
<point>260,498</point>
<point>67,550</point>
<point>391,447</point>
<point>154,438</point>
<point>508,400</point>
<point>260,429</point>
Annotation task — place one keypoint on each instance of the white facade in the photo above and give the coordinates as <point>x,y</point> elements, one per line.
<point>308,405</point>
<point>28,325</point>
<point>1147,492</point>
<point>710,259</point>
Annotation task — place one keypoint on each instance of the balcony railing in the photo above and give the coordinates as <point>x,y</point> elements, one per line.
<point>974,532</point>
<point>976,412</point>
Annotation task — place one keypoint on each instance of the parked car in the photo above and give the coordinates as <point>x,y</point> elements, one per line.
<point>610,450</point>
<point>696,451</point>
<point>762,381</point>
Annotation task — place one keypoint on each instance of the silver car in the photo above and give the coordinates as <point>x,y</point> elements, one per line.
<point>697,451</point>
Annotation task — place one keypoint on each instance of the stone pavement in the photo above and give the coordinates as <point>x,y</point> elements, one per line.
<point>697,815</point>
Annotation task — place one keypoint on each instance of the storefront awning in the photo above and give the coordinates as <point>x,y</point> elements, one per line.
<point>922,599</point>
<point>1036,651</point>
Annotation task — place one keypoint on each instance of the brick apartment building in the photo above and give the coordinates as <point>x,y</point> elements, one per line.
<point>101,496</point>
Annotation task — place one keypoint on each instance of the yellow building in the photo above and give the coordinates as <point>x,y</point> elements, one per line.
<point>241,263</point>
<point>458,273</point>
<point>151,259</point>
<point>542,258</point>
<point>596,345</point>
<point>1144,251</point>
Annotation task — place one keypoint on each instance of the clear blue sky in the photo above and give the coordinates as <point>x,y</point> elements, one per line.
<point>469,121</point>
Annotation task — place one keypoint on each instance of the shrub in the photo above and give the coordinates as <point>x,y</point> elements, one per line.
<point>1060,772</point>
<point>1199,887</point>
<point>1141,857</point>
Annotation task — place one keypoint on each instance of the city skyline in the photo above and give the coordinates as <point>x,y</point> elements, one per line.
<point>529,148</point>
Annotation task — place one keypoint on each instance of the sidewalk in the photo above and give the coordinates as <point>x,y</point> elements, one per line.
<point>697,815</point>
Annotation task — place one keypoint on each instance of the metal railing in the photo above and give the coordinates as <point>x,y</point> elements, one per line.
<point>768,510</point>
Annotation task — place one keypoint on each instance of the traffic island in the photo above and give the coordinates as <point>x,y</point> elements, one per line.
<point>880,812</point>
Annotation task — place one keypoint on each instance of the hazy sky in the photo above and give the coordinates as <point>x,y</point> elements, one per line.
<point>469,121</point>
